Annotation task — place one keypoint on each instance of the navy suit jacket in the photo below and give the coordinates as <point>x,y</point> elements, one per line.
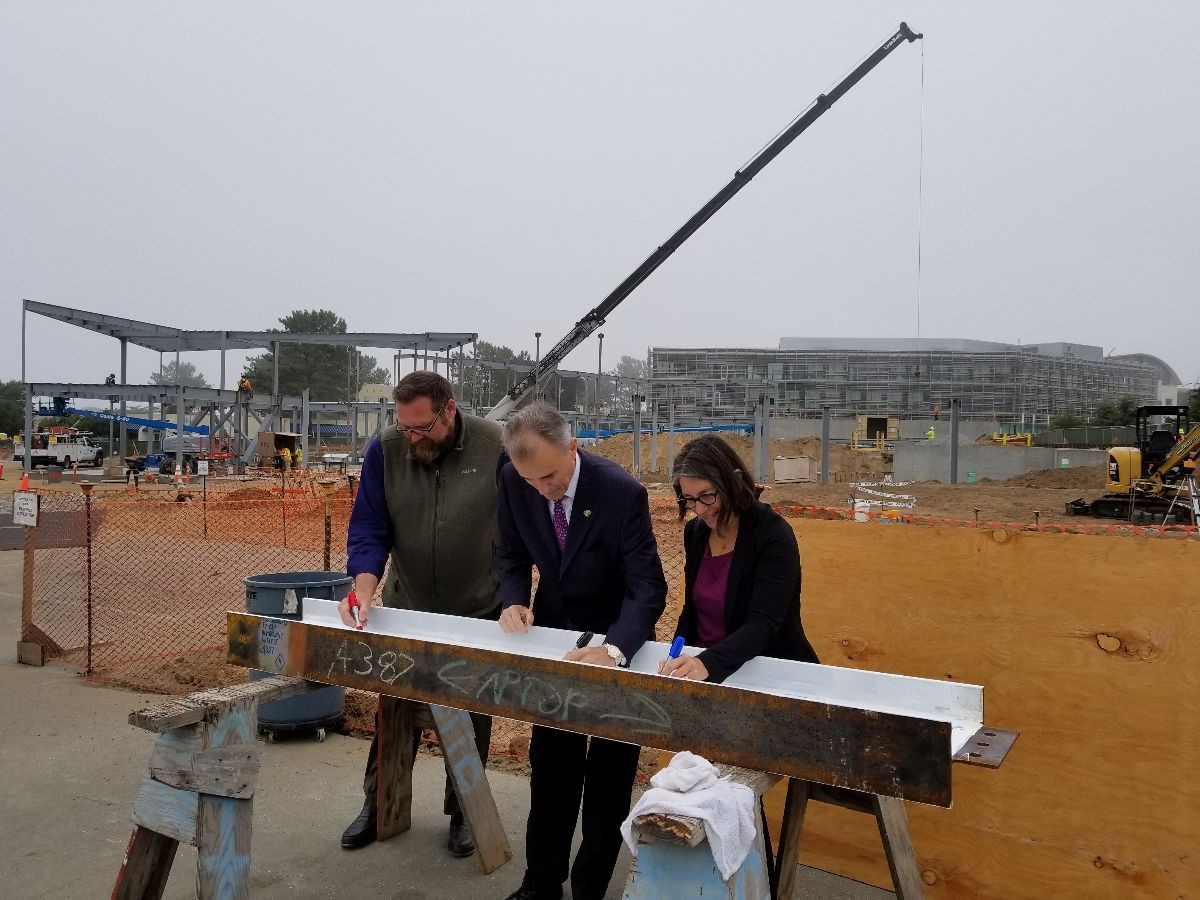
<point>607,579</point>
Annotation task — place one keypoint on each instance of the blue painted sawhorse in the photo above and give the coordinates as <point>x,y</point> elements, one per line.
<point>674,860</point>
<point>200,788</point>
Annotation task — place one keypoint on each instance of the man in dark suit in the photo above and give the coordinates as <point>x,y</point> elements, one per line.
<point>585,523</point>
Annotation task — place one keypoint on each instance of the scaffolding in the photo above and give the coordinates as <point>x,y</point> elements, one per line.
<point>1016,384</point>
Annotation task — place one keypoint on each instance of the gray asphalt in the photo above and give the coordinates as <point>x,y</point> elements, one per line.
<point>72,765</point>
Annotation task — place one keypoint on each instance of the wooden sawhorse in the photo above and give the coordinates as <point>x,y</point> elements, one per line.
<point>395,724</point>
<point>674,860</point>
<point>203,772</point>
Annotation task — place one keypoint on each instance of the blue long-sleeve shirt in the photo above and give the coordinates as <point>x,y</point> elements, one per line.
<point>369,537</point>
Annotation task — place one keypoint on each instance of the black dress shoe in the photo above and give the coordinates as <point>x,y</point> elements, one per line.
<point>362,830</point>
<point>459,842</point>
<point>528,893</point>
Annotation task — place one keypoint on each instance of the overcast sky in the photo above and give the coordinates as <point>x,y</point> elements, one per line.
<point>499,167</point>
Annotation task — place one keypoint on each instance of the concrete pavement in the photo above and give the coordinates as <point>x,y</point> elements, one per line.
<point>72,766</point>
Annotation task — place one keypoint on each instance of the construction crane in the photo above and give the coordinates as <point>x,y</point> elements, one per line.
<point>597,316</point>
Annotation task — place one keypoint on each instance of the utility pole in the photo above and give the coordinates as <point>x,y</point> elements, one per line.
<point>537,362</point>
<point>599,369</point>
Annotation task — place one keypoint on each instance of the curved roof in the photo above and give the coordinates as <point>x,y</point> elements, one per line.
<point>1166,374</point>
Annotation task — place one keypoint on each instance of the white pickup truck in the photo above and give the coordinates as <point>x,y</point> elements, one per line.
<point>50,449</point>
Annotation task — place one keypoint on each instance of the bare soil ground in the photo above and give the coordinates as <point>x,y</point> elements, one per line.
<point>1039,496</point>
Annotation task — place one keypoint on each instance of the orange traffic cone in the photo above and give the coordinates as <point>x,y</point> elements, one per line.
<point>75,471</point>
<point>177,477</point>
<point>24,482</point>
<point>187,473</point>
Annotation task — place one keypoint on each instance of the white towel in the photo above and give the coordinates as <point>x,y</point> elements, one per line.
<point>689,786</point>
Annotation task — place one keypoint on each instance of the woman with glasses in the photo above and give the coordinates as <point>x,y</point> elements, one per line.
<point>741,569</point>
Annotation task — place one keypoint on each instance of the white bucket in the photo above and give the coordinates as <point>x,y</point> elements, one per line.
<point>862,510</point>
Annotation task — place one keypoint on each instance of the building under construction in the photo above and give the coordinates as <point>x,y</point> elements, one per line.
<point>1024,384</point>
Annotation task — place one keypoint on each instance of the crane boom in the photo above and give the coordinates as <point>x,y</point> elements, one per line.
<point>596,317</point>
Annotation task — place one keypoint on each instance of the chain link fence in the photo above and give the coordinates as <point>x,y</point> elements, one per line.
<point>134,587</point>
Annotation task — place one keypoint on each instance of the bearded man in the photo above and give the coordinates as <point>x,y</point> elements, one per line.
<point>427,502</point>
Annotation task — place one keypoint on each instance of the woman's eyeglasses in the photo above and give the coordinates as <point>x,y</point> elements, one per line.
<point>708,498</point>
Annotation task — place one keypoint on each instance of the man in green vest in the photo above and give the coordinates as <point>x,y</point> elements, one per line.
<point>426,503</point>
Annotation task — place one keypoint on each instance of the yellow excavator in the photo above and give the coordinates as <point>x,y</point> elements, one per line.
<point>1154,481</point>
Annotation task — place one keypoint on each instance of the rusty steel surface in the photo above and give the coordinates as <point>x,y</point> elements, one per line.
<point>876,752</point>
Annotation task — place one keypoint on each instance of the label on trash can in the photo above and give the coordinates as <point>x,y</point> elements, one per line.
<point>290,604</point>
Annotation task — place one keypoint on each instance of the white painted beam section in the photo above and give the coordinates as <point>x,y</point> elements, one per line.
<point>922,698</point>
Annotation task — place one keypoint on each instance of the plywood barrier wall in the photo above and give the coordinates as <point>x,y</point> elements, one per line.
<point>1087,645</point>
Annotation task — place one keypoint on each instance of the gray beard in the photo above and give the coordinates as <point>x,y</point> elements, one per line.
<point>427,451</point>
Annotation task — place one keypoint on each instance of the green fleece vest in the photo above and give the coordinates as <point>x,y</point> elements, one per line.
<point>443,516</point>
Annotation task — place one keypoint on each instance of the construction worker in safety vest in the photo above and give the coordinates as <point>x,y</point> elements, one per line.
<point>285,458</point>
<point>930,433</point>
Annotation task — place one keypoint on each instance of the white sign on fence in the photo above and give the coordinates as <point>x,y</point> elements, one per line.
<point>25,508</point>
<point>202,467</point>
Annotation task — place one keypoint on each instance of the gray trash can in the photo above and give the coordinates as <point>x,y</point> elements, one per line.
<point>282,595</point>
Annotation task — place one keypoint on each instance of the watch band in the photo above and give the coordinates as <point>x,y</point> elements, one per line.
<point>615,654</point>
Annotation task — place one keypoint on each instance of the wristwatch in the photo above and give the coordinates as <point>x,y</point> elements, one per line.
<point>615,654</point>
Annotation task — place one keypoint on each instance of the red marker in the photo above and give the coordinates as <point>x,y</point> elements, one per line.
<point>352,600</point>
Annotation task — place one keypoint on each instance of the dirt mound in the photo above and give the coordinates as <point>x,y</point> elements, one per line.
<point>1090,477</point>
<point>844,464</point>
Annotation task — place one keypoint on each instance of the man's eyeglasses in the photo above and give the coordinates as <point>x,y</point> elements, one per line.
<point>708,498</point>
<point>425,429</point>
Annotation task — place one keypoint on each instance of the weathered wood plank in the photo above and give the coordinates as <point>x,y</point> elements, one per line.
<point>788,856</point>
<point>457,738</point>
<point>167,810</point>
<point>146,866</point>
<point>223,836</point>
<point>864,750</point>
<point>222,771</point>
<point>209,705</point>
<point>223,858</point>
<point>394,725</point>
<point>897,846</point>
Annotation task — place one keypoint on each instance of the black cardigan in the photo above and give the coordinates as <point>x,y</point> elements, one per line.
<point>762,600</point>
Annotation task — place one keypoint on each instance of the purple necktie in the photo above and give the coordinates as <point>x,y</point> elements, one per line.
<point>560,524</point>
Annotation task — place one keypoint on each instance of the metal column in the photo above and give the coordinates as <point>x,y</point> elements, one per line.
<point>124,381</point>
<point>954,441</point>
<point>304,429</point>
<point>824,445</point>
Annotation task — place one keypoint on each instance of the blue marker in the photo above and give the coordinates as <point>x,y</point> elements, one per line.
<point>676,648</point>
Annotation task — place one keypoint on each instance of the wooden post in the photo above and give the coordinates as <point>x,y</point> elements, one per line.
<point>394,725</point>
<point>153,854</point>
<point>786,860</point>
<point>902,861</point>
<point>223,832</point>
<point>35,645</point>
<point>457,738</point>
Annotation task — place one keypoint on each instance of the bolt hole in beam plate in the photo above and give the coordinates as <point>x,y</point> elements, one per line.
<point>987,747</point>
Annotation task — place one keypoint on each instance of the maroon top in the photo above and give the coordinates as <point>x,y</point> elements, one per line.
<point>709,596</point>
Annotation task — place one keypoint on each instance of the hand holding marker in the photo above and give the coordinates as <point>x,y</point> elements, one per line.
<point>673,653</point>
<point>584,640</point>
<point>352,602</point>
